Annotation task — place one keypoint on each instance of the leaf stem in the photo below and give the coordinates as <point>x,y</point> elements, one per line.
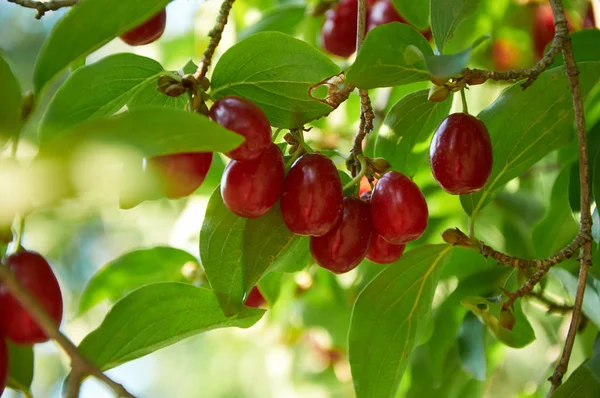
<point>361,173</point>
<point>301,141</point>
<point>463,97</point>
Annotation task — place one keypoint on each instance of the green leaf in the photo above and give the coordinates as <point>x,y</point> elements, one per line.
<point>525,126</point>
<point>585,47</point>
<point>449,65</point>
<point>415,13</point>
<point>84,29</point>
<point>100,89</point>
<point>471,346</point>
<point>584,382</point>
<point>190,67</point>
<point>284,18</point>
<point>151,130</point>
<point>559,227</point>
<point>10,103</point>
<point>488,311</point>
<point>222,254</point>
<point>446,15</point>
<point>156,316</point>
<point>387,318</point>
<point>295,258</point>
<point>381,60</point>
<point>133,270</point>
<point>265,240</point>
<point>275,71</point>
<point>20,369</point>
<point>591,299</point>
<point>410,121</point>
<point>596,225</point>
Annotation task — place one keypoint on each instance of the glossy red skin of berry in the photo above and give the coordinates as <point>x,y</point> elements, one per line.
<point>4,365</point>
<point>180,174</point>
<point>36,276</point>
<point>255,299</point>
<point>148,32</point>
<point>589,21</point>
<point>345,246</point>
<point>384,12</point>
<point>543,28</point>
<point>245,118</point>
<point>338,35</point>
<point>398,208</point>
<point>460,154</point>
<point>311,200</point>
<point>251,187</point>
<point>383,252</point>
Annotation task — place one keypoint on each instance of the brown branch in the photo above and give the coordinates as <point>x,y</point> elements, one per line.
<point>550,304</point>
<point>79,364</point>
<point>572,72</point>
<point>215,37</point>
<point>43,7</point>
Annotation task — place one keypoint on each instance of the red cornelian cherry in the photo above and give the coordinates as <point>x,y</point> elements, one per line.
<point>4,365</point>
<point>148,32</point>
<point>460,154</point>
<point>251,187</point>
<point>383,252</point>
<point>398,208</point>
<point>255,299</point>
<point>36,276</point>
<point>384,12</point>
<point>245,118</point>
<point>339,31</point>
<point>180,174</point>
<point>345,246</point>
<point>311,200</point>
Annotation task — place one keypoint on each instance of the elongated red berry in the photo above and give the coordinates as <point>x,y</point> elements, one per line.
<point>384,12</point>
<point>148,32</point>
<point>180,174</point>
<point>251,187</point>
<point>398,208</point>
<point>338,35</point>
<point>345,246</point>
<point>4,365</point>
<point>245,118</point>
<point>36,276</point>
<point>311,200</point>
<point>255,299</point>
<point>383,252</point>
<point>460,154</point>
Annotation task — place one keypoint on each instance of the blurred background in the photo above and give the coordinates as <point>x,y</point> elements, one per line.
<point>298,348</point>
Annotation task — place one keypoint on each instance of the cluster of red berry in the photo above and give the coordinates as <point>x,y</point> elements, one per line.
<point>34,274</point>
<point>338,35</point>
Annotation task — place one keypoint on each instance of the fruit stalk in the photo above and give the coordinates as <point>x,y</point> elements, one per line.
<point>572,72</point>
<point>215,37</point>
<point>80,365</point>
<point>44,6</point>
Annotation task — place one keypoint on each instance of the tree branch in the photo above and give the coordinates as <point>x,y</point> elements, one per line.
<point>44,6</point>
<point>572,72</point>
<point>552,306</point>
<point>79,364</point>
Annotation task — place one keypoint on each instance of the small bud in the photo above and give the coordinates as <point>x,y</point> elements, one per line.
<point>506,319</point>
<point>475,80</point>
<point>380,165</point>
<point>438,81</point>
<point>164,82</point>
<point>189,82</point>
<point>456,237</point>
<point>438,93</point>
<point>412,55</point>
<point>174,90</point>
<point>204,83</point>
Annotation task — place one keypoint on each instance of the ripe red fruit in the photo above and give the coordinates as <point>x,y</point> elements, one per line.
<point>243,117</point>
<point>149,31</point>
<point>180,174</point>
<point>345,246</point>
<point>384,12</point>
<point>460,154</point>
<point>398,208</point>
<point>382,252</point>
<point>251,187</point>
<point>4,364</point>
<point>506,55</point>
<point>255,299</point>
<point>589,20</point>
<point>36,276</point>
<point>339,31</point>
<point>311,200</point>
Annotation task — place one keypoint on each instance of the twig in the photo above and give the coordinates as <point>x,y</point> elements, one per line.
<point>44,6</point>
<point>215,37</point>
<point>79,364</point>
<point>552,306</point>
<point>572,72</point>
